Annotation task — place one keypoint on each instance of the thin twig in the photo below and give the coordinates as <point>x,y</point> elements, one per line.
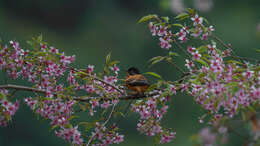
<point>232,50</point>
<point>237,133</point>
<point>12,94</point>
<point>179,46</point>
<point>245,58</point>
<point>221,42</point>
<point>98,79</point>
<point>103,125</point>
<point>125,112</point>
<point>183,77</point>
<point>176,66</point>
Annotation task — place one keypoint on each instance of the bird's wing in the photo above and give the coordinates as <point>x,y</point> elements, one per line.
<point>137,80</point>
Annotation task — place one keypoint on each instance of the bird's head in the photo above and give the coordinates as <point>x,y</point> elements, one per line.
<point>132,71</point>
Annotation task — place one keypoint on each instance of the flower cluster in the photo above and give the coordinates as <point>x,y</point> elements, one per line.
<point>44,66</point>
<point>151,115</point>
<point>41,67</point>
<point>59,113</point>
<point>219,80</point>
<point>166,37</point>
<point>223,85</point>
<point>106,136</point>
<point>209,137</point>
<point>182,34</point>
<point>199,30</point>
<point>164,34</point>
<point>56,110</point>
<point>71,135</point>
<point>7,108</point>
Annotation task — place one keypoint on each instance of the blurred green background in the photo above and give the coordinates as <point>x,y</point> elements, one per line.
<point>91,29</point>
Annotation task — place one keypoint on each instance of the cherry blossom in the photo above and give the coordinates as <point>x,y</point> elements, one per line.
<point>197,20</point>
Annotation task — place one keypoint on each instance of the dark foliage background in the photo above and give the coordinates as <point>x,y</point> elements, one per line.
<point>90,29</point>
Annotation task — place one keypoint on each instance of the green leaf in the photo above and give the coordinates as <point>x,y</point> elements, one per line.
<point>205,59</point>
<point>108,57</point>
<point>30,43</point>
<point>113,63</point>
<point>73,117</point>
<point>151,87</point>
<point>190,11</point>
<point>157,59</point>
<point>87,125</point>
<point>173,54</point>
<point>147,18</point>
<point>244,117</point>
<point>257,69</point>
<point>205,20</point>
<point>251,109</point>
<point>121,114</point>
<point>39,38</point>
<point>153,74</point>
<point>157,140</point>
<point>202,49</point>
<point>83,107</point>
<point>40,53</point>
<point>3,96</point>
<point>54,127</point>
<point>201,75</point>
<point>234,61</point>
<point>178,25</point>
<point>166,19</point>
<point>68,126</point>
<point>202,62</point>
<point>257,50</point>
<point>182,16</point>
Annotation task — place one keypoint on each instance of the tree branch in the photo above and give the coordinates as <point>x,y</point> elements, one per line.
<point>84,99</point>
<point>127,97</point>
<point>19,87</point>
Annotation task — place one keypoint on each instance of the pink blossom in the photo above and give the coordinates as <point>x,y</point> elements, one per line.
<point>248,74</point>
<point>189,64</point>
<point>71,135</point>
<point>54,50</point>
<point>94,103</point>
<point>191,49</point>
<point>105,104</point>
<point>207,137</point>
<point>118,138</point>
<point>210,28</point>
<point>115,69</point>
<point>162,31</point>
<point>197,20</point>
<point>182,35</point>
<point>197,32</point>
<point>173,89</point>
<point>164,43</point>
<point>165,138</point>
<point>196,55</point>
<point>153,29</point>
<point>90,68</point>
<point>204,36</point>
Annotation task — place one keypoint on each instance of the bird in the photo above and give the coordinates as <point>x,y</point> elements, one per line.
<point>136,82</point>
